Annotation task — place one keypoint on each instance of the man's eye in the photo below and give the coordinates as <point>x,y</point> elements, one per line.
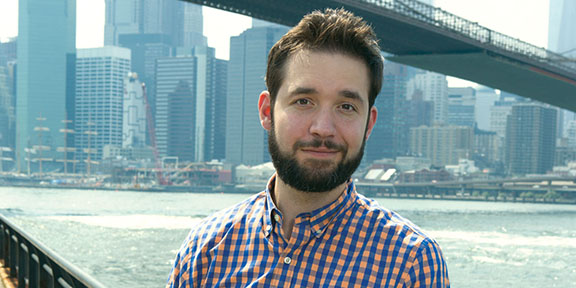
<point>302,102</point>
<point>348,107</point>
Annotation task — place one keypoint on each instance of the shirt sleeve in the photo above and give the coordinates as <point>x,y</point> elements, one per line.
<point>174,278</point>
<point>429,268</point>
<point>179,276</point>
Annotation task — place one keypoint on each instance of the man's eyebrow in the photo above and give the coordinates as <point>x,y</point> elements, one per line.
<point>345,93</point>
<point>351,95</point>
<point>302,90</point>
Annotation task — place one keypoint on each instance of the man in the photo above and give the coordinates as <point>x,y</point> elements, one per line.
<point>310,228</point>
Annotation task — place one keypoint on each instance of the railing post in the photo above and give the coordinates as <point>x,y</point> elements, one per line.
<point>3,248</point>
<point>33,270</point>
<point>13,254</point>
<point>22,267</point>
<point>46,276</point>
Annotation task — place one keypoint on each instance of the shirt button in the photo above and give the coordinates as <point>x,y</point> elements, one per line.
<point>318,232</point>
<point>287,260</point>
<point>277,217</point>
<point>268,228</point>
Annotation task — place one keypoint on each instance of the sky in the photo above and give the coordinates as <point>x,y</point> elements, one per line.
<point>525,20</point>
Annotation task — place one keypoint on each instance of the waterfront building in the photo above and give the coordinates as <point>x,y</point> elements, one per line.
<point>246,141</point>
<point>485,98</point>
<point>420,111</point>
<point>425,176</point>
<point>434,87</point>
<point>203,108</point>
<point>444,145</point>
<point>175,104</point>
<point>46,53</point>
<point>100,94</point>
<point>530,139</point>
<point>145,49</point>
<point>562,40</point>
<point>564,154</point>
<point>488,146</point>
<point>389,136</point>
<point>570,135</point>
<point>464,168</point>
<point>134,113</point>
<point>140,155</point>
<point>499,115</point>
<point>408,163</point>
<point>217,139</point>
<point>210,104</point>
<point>7,117</point>
<point>191,105</point>
<point>461,108</point>
<point>8,51</point>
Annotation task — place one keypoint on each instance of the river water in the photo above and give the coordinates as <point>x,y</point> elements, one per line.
<point>129,239</point>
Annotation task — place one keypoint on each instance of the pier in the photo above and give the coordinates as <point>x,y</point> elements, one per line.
<point>531,189</point>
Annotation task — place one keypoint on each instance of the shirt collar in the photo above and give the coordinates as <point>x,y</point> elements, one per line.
<point>318,219</point>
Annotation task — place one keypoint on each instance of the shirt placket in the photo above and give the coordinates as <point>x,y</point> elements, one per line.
<point>301,234</point>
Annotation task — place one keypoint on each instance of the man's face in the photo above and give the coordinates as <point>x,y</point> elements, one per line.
<point>320,120</point>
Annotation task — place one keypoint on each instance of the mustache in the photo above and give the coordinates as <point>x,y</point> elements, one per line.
<point>316,143</point>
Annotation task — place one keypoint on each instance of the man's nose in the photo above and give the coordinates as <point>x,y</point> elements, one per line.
<point>323,123</point>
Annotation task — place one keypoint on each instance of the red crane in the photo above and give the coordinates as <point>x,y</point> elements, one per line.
<point>152,133</point>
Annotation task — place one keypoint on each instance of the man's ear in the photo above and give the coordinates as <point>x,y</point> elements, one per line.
<point>371,121</point>
<point>264,110</point>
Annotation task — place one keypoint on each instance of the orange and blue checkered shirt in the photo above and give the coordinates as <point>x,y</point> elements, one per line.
<point>352,242</point>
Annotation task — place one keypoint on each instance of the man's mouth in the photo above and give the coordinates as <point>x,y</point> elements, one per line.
<point>320,152</point>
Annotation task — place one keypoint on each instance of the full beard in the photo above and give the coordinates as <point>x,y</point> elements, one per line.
<point>313,175</point>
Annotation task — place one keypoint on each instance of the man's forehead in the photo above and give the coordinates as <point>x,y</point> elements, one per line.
<point>301,63</point>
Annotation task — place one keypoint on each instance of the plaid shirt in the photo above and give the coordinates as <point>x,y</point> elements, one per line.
<point>352,242</point>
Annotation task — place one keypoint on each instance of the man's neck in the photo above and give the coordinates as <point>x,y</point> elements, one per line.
<point>292,202</point>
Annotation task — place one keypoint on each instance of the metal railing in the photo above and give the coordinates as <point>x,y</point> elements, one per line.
<point>441,19</point>
<point>34,265</point>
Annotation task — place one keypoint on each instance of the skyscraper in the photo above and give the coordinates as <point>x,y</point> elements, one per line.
<point>389,136</point>
<point>218,137</point>
<point>8,51</point>
<point>434,87</point>
<point>444,145</point>
<point>134,113</point>
<point>562,40</point>
<point>561,32</point>
<point>7,93</point>
<point>530,139</point>
<point>499,115</point>
<point>246,140</point>
<point>210,107</point>
<point>175,104</point>
<point>6,110</point>
<point>190,105</point>
<point>45,75</point>
<point>145,49</point>
<point>461,102</point>
<point>485,98</point>
<point>179,21</point>
<point>99,99</point>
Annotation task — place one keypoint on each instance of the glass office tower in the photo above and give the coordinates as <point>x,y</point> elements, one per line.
<point>45,80</point>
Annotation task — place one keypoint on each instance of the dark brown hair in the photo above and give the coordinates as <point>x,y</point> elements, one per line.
<point>334,30</point>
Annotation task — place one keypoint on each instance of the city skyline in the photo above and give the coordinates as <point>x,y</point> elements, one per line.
<point>422,96</point>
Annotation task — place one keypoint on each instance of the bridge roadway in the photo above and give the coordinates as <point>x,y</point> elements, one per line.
<point>430,38</point>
